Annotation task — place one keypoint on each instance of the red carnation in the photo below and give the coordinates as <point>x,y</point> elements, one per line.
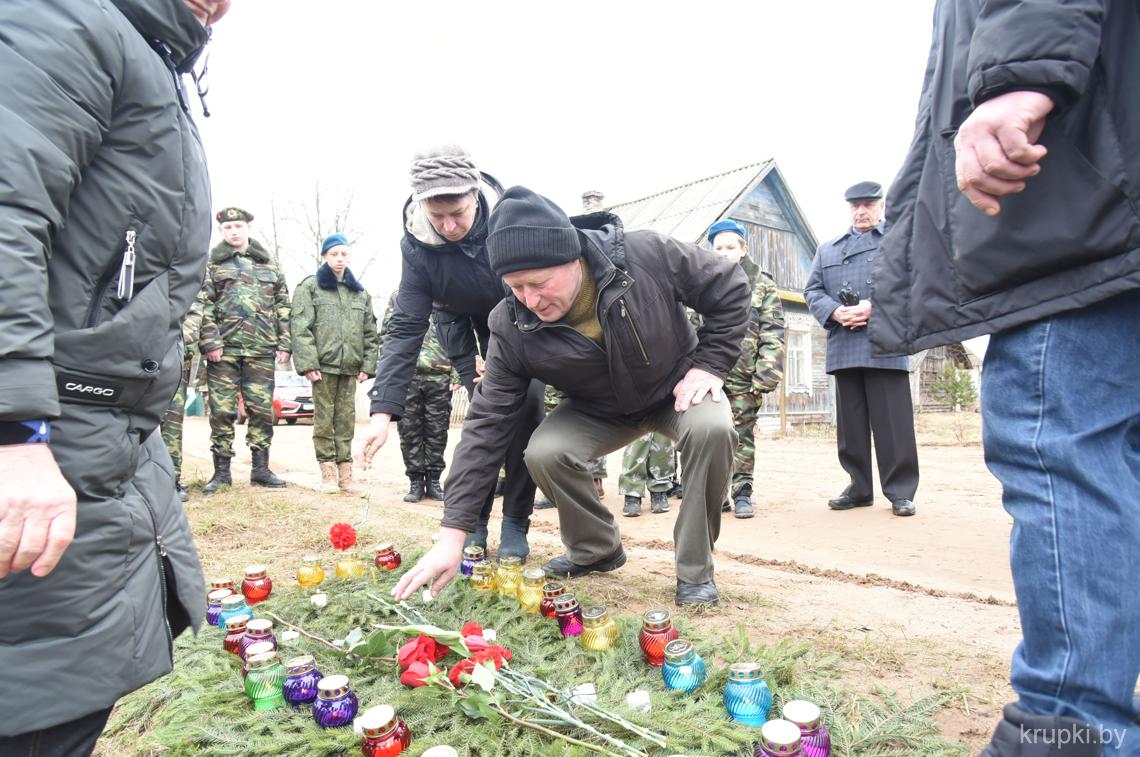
<point>494,653</point>
<point>471,628</point>
<point>420,649</point>
<point>463,666</point>
<point>416,674</point>
<point>342,536</point>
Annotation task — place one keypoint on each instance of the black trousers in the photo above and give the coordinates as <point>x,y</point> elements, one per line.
<point>518,486</point>
<point>874,401</point>
<point>74,739</point>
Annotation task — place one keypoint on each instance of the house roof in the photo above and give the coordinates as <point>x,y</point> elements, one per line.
<point>687,211</point>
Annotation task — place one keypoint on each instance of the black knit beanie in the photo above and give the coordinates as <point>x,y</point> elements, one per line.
<point>526,230</point>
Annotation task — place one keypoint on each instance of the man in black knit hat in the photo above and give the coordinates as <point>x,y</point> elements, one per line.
<point>597,313</point>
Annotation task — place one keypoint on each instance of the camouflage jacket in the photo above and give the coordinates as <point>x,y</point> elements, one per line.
<point>432,363</point>
<point>245,303</point>
<point>333,325</point>
<point>761,365</point>
<point>191,328</point>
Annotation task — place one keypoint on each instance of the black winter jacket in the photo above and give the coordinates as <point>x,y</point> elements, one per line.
<point>644,282</point>
<point>449,282</point>
<point>104,227</point>
<point>1072,238</point>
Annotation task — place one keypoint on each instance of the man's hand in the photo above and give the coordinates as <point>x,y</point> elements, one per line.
<point>313,375</point>
<point>283,357</point>
<point>691,389</point>
<point>214,356</point>
<point>373,438</point>
<point>361,377</point>
<point>438,566</point>
<point>480,369</point>
<point>37,510</point>
<point>995,147</point>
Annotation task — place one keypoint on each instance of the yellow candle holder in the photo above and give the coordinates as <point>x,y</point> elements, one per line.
<point>599,631</point>
<point>508,576</point>
<point>530,590</point>
<point>482,576</point>
<point>310,575</point>
<point>350,567</point>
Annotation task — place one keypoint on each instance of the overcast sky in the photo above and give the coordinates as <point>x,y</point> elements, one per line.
<point>625,97</point>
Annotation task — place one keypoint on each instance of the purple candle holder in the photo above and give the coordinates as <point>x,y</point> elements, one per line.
<point>301,679</point>
<point>815,739</point>
<point>335,705</point>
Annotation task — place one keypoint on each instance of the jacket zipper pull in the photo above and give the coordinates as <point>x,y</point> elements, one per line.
<point>161,545</point>
<point>126,288</point>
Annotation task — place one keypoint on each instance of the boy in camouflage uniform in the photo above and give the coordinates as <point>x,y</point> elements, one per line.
<point>761,365</point>
<point>335,346</point>
<point>648,461</point>
<point>172,420</point>
<point>245,325</point>
<point>427,415</point>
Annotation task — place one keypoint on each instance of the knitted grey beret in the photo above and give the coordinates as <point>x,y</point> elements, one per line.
<point>446,170</point>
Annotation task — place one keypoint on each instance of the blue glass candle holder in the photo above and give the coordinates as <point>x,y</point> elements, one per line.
<point>684,670</point>
<point>746,695</point>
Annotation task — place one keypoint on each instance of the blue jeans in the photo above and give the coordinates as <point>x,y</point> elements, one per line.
<point>1061,409</point>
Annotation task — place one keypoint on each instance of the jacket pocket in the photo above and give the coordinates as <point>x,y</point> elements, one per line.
<point>134,354</point>
<point>1069,215</point>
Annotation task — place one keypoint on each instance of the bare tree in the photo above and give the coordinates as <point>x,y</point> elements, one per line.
<point>327,213</point>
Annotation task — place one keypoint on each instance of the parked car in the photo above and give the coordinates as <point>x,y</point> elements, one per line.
<point>292,397</point>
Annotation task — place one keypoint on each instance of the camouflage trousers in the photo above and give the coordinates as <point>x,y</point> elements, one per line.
<point>649,459</point>
<point>334,417</point>
<point>745,408</point>
<point>172,420</point>
<point>252,377</point>
<point>423,426</point>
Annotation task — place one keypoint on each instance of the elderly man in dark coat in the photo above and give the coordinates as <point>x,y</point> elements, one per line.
<point>872,393</point>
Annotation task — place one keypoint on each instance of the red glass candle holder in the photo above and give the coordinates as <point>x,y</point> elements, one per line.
<point>235,632</point>
<point>385,735</point>
<point>387,558</point>
<point>257,585</point>
<point>550,592</point>
<point>656,631</point>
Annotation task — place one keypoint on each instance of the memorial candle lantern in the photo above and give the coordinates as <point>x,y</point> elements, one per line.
<point>483,576</point>
<point>471,555</point>
<point>387,558</point>
<point>351,566</point>
<point>684,670</point>
<point>222,583</point>
<point>253,650</point>
<point>264,682</point>
<point>599,631</point>
<point>779,738</point>
<point>257,631</point>
<point>569,614</point>
<point>550,592</point>
<point>335,705</point>
<point>656,631</point>
<point>301,678</point>
<point>214,605</point>
<point>530,590</point>
<point>508,576</point>
<point>385,735</point>
<point>256,585</point>
<point>235,632</point>
<point>310,575</point>
<point>746,695</point>
<point>815,739</point>
<point>232,606</point>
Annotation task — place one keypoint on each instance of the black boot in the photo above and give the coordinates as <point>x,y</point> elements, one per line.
<point>259,474</point>
<point>416,490</point>
<point>434,490</point>
<point>1020,734</point>
<point>512,539</point>
<point>478,538</point>
<point>183,492</point>
<point>221,475</point>
<point>742,502</point>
